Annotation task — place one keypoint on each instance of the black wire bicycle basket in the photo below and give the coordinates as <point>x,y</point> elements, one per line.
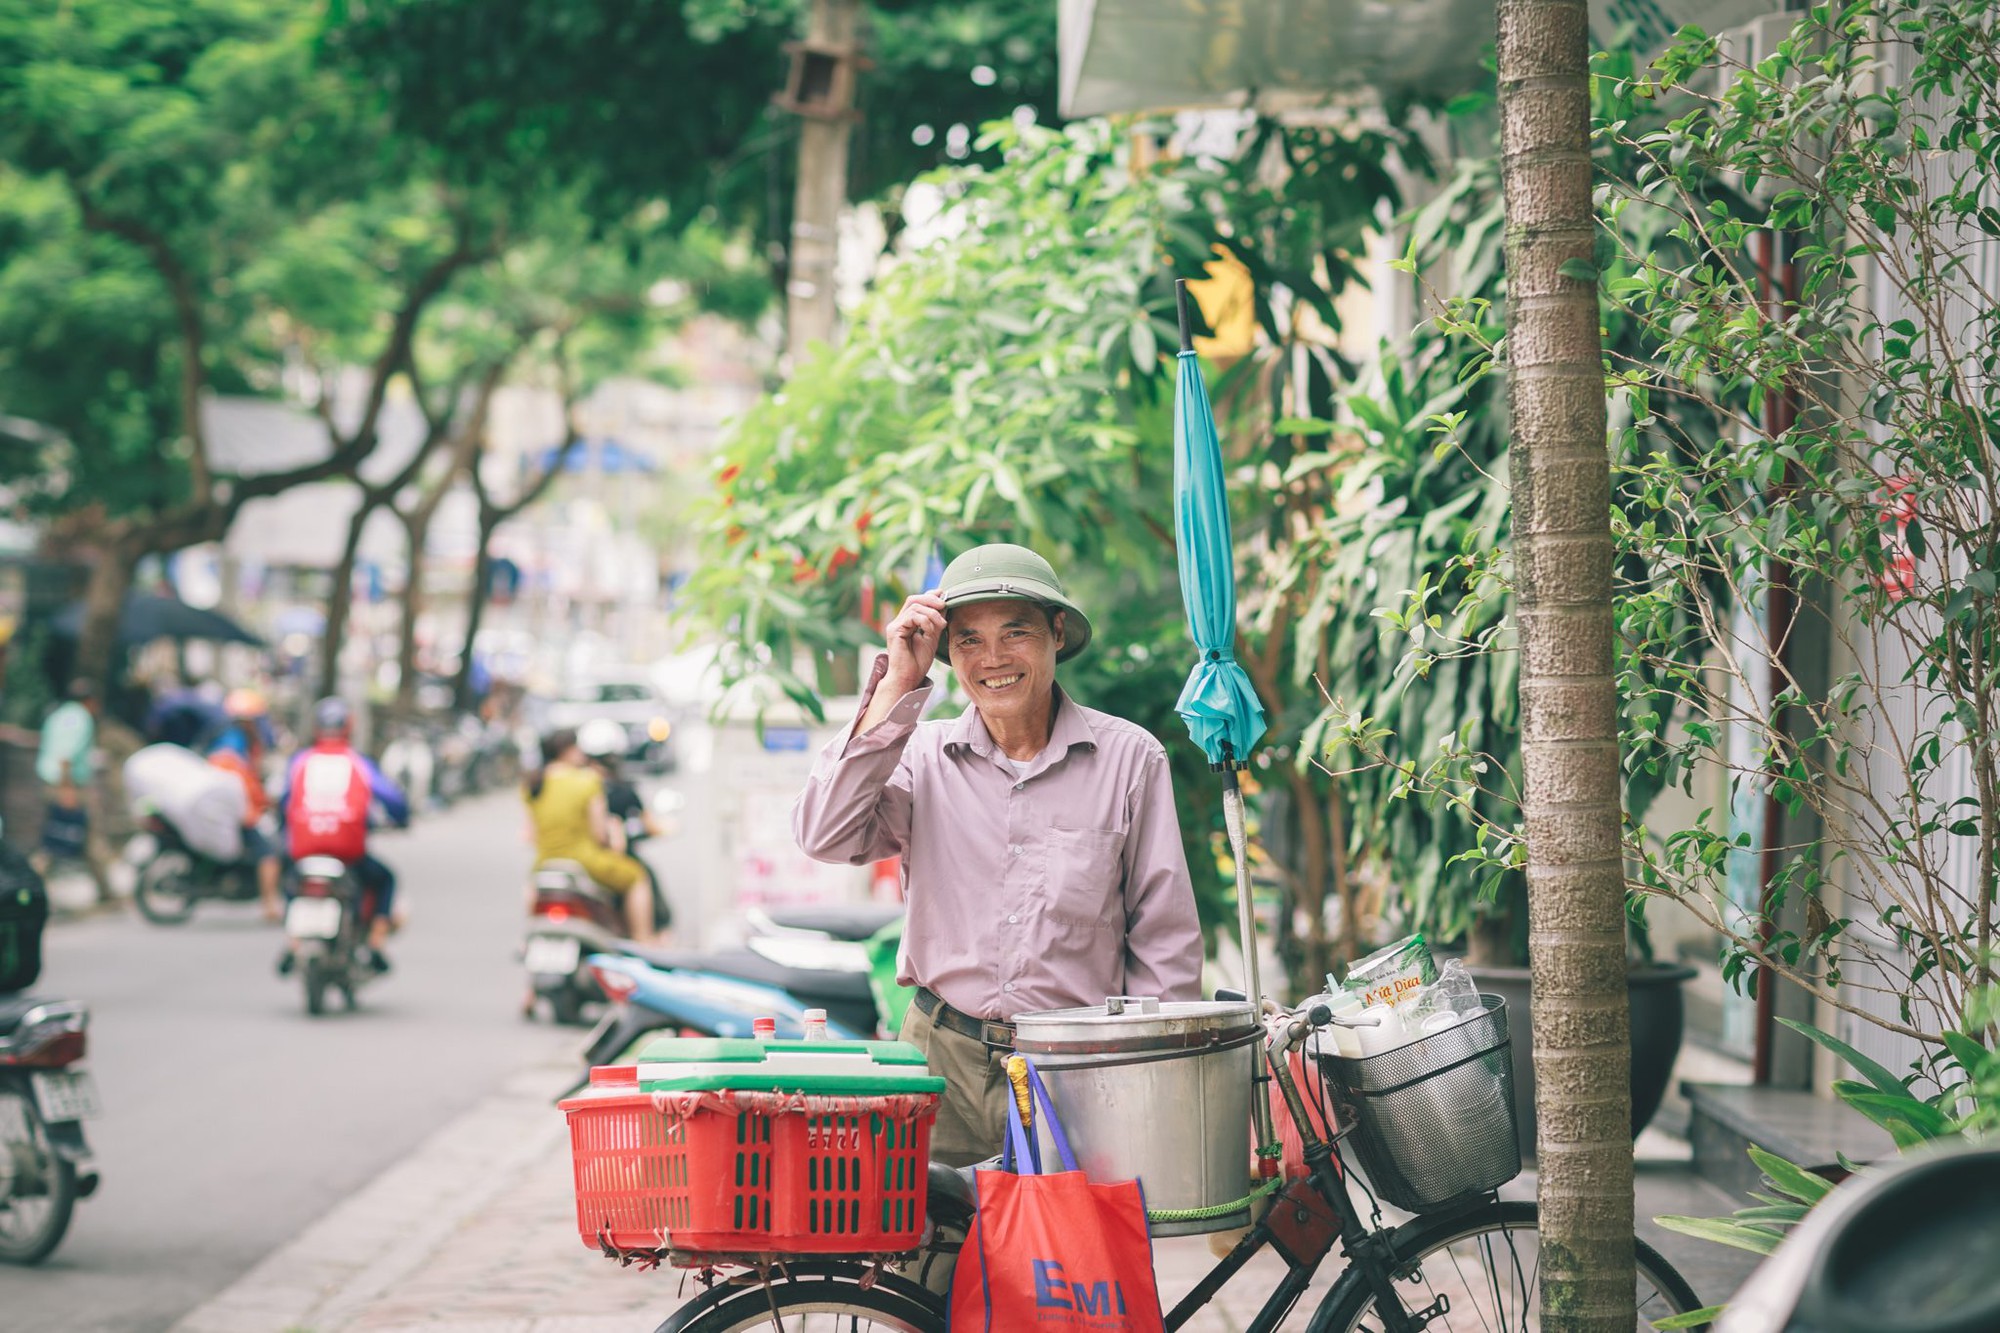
<point>1433,1121</point>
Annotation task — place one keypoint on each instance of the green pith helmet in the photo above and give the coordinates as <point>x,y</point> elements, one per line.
<point>1000,572</point>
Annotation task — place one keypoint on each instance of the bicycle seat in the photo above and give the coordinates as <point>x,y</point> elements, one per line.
<point>950,1190</point>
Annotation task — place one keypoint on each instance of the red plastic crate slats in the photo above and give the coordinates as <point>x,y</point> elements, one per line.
<point>751,1173</point>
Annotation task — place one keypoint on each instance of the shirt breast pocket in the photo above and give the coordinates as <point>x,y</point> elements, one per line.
<point>1086,875</point>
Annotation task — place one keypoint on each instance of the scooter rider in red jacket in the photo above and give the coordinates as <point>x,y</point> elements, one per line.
<point>330,790</point>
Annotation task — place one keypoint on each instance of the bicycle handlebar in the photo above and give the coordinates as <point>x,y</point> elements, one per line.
<point>1301,1026</point>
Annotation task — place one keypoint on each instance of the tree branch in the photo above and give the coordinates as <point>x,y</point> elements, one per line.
<point>348,453</point>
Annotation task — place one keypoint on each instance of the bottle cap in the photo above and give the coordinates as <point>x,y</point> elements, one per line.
<point>764,1028</point>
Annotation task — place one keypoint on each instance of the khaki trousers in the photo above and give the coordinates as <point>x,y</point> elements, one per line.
<point>976,1095</point>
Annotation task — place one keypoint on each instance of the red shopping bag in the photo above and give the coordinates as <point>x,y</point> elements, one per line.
<point>1054,1251</point>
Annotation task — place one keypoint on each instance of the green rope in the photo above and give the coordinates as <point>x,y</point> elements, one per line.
<point>1214,1210</point>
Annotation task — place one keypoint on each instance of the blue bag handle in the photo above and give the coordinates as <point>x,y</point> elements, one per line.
<point>1019,1151</point>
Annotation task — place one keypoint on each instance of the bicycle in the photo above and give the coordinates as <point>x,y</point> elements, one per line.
<point>1474,1267</point>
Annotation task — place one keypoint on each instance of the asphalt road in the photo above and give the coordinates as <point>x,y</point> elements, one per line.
<point>231,1119</point>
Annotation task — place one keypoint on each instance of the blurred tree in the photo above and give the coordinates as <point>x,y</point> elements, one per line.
<point>567,308</point>
<point>604,310</point>
<point>194,200</point>
<point>637,100</point>
<point>186,202</point>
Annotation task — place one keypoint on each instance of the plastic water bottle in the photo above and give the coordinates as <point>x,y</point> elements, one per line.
<point>815,1024</point>
<point>1346,1004</point>
<point>764,1029</point>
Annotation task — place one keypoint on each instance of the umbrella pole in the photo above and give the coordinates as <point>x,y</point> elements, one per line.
<point>1246,924</point>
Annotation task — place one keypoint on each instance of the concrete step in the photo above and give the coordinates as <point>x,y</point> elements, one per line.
<point>1726,1119</point>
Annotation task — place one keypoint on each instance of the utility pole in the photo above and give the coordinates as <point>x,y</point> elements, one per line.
<point>820,91</point>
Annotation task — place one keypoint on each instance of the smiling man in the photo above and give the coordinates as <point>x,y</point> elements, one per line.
<point>1041,853</point>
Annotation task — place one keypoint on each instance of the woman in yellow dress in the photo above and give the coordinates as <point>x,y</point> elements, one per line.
<point>566,802</point>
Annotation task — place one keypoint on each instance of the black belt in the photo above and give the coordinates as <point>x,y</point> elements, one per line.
<point>999,1036</point>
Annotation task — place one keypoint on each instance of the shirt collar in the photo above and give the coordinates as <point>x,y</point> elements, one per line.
<point>1069,729</point>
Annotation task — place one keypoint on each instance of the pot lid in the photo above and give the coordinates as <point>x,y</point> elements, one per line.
<point>1128,1022</point>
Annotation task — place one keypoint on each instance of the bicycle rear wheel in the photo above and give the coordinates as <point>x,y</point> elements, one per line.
<point>1486,1267</point>
<point>822,1298</point>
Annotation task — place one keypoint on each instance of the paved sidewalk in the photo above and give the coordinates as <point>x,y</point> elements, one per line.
<point>475,1233</point>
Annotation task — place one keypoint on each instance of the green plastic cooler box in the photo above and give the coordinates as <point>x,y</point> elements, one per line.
<point>821,1068</point>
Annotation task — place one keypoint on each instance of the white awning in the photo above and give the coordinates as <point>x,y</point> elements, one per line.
<point>1287,56</point>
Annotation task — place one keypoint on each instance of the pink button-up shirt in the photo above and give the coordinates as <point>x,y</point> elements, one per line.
<point>1043,891</point>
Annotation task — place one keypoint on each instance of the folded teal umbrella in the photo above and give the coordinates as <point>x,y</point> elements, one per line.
<point>1218,703</point>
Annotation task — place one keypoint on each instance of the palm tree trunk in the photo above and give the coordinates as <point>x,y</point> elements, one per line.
<point>1569,735</point>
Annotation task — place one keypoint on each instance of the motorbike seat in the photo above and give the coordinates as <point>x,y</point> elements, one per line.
<point>808,984</point>
<point>13,1008</point>
<point>842,921</point>
<point>563,876</point>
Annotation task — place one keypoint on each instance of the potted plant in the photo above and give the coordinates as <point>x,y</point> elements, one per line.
<point>1421,717</point>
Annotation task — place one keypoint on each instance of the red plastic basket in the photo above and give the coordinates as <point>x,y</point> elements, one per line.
<point>750,1173</point>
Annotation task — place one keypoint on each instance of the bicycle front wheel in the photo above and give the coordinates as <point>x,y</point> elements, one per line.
<point>1482,1270</point>
<point>823,1298</point>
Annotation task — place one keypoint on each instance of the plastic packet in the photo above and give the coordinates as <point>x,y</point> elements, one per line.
<point>1389,974</point>
<point>1459,991</point>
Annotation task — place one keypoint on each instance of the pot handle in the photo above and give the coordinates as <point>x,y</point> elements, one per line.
<point>1115,1005</point>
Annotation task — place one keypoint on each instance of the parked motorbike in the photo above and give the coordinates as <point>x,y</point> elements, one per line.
<point>326,927</point>
<point>1908,1249</point>
<point>173,876</point>
<point>409,760</point>
<point>495,762</point>
<point>45,1096</point>
<point>798,959</point>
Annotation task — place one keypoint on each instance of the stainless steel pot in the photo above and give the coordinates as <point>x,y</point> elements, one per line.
<point>1155,1092</point>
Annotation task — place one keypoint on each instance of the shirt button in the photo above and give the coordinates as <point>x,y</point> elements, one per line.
<point>1008,987</point>
<point>1019,785</point>
<point>1013,919</point>
<point>1014,849</point>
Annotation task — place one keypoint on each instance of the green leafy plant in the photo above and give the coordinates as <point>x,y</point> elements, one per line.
<point>1821,610</point>
<point>1410,578</point>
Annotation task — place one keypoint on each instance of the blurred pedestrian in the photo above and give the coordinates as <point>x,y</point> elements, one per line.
<point>66,764</point>
<point>240,750</point>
